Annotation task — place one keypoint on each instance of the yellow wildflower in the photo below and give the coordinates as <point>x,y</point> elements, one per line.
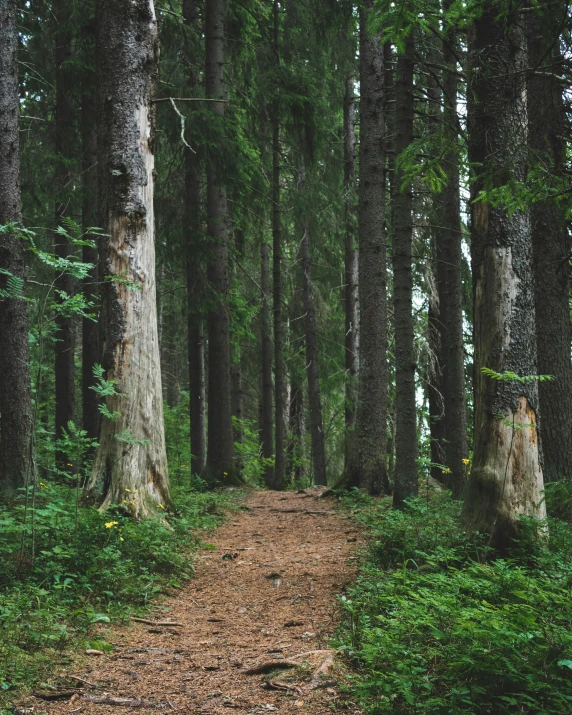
<point>121,538</point>
<point>111,524</point>
<point>127,490</point>
<point>43,486</point>
<point>465,461</point>
<point>160,506</point>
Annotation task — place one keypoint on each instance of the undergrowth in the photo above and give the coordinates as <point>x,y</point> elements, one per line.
<point>436,623</point>
<point>64,577</point>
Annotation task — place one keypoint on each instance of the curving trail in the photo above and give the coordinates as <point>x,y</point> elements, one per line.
<point>268,593</point>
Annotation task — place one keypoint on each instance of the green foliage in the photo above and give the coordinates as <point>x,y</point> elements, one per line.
<point>248,453</point>
<point>78,573</point>
<point>437,625</point>
<point>508,376</point>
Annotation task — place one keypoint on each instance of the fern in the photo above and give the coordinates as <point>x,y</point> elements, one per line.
<point>509,376</point>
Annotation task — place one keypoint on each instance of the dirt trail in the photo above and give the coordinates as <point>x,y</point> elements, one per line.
<point>267,593</point>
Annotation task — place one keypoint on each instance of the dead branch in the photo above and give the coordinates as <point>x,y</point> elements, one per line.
<point>279,685</point>
<point>149,622</point>
<point>316,681</point>
<point>122,702</point>
<point>270,665</point>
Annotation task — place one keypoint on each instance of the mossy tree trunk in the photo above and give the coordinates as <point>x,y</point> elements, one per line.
<point>132,469</point>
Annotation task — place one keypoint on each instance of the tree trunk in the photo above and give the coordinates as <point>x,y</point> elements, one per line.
<point>266,425</point>
<point>279,378</point>
<point>90,218</point>
<point>133,467</point>
<point>367,465</point>
<point>351,302</point>
<point>311,339</point>
<point>435,379</point>
<point>220,454</point>
<point>406,483</point>
<point>506,479</point>
<point>551,243</point>
<point>450,284</point>
<point>15,387</point>
<point>64,150</point>
<point>195,279</point>
<point>237,406</point>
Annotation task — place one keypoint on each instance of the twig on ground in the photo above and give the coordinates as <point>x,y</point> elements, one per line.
<point>270,665</point>
<point>149,622</point>
<point>122,702</point>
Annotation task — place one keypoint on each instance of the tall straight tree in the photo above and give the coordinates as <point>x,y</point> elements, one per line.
<point>195,280</point>
<point>277,298</point>
<point>15,387</point>
<point>550,239</point>
<point>312,371</point>
<point>367,464</point>
<point>266,422</point>
<point>220,451</point>
<point>402,234</point>
<point>131,458</point>
<point>64,146</point>
<point>506,478</point>
<point>351,302</point>
<point>449,281</point>
<point>90,218</point>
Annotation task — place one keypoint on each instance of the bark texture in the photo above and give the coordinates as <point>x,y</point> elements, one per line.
<point>266,422</point>
<point>351,298</point>
<point>406,482</point>
<point>64,149</point>
<point>195,279</point>
<point>132,468</point>
<point>506,479</point>
<point>450,285</point>
<point>311,340</point>
<point>220,452</point>
<point>551,242</point>
<point>279,375</point>
<point>15,390</point>
<point>367,464</point>
<point>90,218</point>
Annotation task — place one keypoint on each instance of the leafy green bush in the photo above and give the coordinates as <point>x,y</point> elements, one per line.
<point>62,575</point>
<point>451,629</point>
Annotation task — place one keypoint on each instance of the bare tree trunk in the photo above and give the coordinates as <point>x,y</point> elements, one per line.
<point>435,381</point>
<point>195,279</point>
<point>133,468</point>
<point>90,218</point>
<point>449,272</point>
<point>279,378</point>
<point>351,302</point>
<point>64,136</point>
<point>367,465</point>
<point>506,478</point>
<point>406,483</point>
<point>15,388</point>
<point>551,242</point>
<point>314,399</point>
<point>266,424</point>
<point>220,453</point>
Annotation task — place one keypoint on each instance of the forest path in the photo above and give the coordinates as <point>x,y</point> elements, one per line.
<point>267,592</point>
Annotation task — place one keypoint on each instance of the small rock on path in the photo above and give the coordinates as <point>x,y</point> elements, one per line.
<point>268,592</point>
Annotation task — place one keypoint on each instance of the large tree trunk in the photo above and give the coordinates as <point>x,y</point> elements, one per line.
<point>64,150</point>
<point>279,378</point>
<point>220,454</point>
<point>506,479</point>
<point>266,424</point>
<point>367,464</point>
<point>450,285</point>
<point>90,218</point>
<point>192,239</point>
<point>311,340</point>
<point>406,483</point>
<point>133,469</point>
<point>15,389</point>
<point>551,243</point>
<point>351,302</point>
<point>435,378</point>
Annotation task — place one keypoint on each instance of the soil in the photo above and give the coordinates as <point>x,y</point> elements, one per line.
<point>267,593</point>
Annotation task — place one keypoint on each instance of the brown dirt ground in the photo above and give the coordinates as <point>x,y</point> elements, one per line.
<point>273,597</point>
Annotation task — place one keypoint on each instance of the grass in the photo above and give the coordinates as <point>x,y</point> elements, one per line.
<point>436,623</point>
<point>62,581</point>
